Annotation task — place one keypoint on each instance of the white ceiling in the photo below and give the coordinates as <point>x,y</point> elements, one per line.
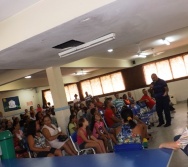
<point>9,8</point>
<point>141,21</point>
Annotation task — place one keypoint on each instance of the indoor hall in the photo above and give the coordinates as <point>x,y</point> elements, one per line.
<point>67,49</point>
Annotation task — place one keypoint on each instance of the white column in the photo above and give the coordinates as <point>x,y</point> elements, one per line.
<point>59,97</point>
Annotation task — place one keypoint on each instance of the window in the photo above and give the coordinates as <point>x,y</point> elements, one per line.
<point>106,84</point>
<point>102,85</point>
<point>112,83</point>
<point>186,62</point>
<point>168,69</point>
<point>117,82</point>
<point>148,70</point>
<point>86,87</point>
<point>163,70</point>
<point>70,91</point>
<point>48,97</point>
<point>178,67</point>
<point>96,86</point>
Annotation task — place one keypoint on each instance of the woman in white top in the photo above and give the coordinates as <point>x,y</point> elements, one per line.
<point>51,134</point>
<point>37,142</point>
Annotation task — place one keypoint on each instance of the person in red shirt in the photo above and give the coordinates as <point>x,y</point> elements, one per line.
<point>39,108</point>
<point>151,104</point>
<point>98,104</point>
<point>147,99</point>
<point>111,120</point>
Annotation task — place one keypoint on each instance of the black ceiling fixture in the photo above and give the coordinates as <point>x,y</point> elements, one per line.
<point>68,44</point>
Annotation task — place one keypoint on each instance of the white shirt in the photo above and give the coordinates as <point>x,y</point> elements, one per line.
<point>76,100</point>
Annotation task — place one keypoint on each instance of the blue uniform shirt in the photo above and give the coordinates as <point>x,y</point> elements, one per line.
<point>159,88</point>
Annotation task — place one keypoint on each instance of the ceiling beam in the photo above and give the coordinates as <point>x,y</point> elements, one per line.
<point>14,75</point>
<point>95,62</point>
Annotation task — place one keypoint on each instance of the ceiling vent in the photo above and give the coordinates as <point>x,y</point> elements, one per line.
<point>68,44</point>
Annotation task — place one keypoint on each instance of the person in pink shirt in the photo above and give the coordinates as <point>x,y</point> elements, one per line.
<point>100,132</point>
<point>39,108</point>
<point>86,140</point>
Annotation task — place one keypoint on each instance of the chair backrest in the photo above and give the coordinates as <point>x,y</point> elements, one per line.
<point>74,137</point>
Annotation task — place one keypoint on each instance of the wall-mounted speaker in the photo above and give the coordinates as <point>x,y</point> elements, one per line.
<point>133,62</point>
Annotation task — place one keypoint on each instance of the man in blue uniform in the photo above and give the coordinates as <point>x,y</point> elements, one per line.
<point>160,89</point>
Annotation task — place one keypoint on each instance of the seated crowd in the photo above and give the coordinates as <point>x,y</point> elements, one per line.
<point>96,125</point>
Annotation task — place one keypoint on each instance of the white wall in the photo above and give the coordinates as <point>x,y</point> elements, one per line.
<point>24,97</point>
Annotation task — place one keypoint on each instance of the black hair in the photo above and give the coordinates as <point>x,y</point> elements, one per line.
<point>14,124</point>
<point>31,128</point>
<point>125,113</point>
<point>80,122</point>
<point>21,116</point>
<point>107,100</point>
<point>52,110</point>
<point>37,116</point>
<point>92,111</point>
<point>47,116</point>
<point>124,95</point>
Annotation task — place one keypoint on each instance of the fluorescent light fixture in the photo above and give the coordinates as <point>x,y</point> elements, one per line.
<point>142,56</point>
<point>110,50</point>
<point>27,77</point>
<point>165,41</point>
<point>80,73</point>
<point>87,45</point>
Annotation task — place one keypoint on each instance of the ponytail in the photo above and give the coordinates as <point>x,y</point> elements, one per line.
<point>127,116</point>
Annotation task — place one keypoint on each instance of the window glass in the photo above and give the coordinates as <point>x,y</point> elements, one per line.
<point>117,82</point>
<point>149,69</point>
<point>163,70</point>
<point>178,67</point>
<point>96,87</point>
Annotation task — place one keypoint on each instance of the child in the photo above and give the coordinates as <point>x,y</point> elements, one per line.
<point>19,142</point>
<point>72,126</point>
<point>84,142</point>
<point>100,132</point>
<point>137,129</point>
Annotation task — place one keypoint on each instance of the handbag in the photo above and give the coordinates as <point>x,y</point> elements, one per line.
<point>62,137</point>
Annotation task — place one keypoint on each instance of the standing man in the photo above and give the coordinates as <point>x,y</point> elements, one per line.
<point>76,100</point>
<point>88,98</point>
<point>160,89</point>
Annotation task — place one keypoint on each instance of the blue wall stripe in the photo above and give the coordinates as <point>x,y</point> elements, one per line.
<point>62,108</point>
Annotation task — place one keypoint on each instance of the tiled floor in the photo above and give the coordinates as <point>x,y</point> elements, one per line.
<point>163,134</point>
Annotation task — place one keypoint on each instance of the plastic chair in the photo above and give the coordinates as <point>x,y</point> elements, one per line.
<point>73,139</point>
